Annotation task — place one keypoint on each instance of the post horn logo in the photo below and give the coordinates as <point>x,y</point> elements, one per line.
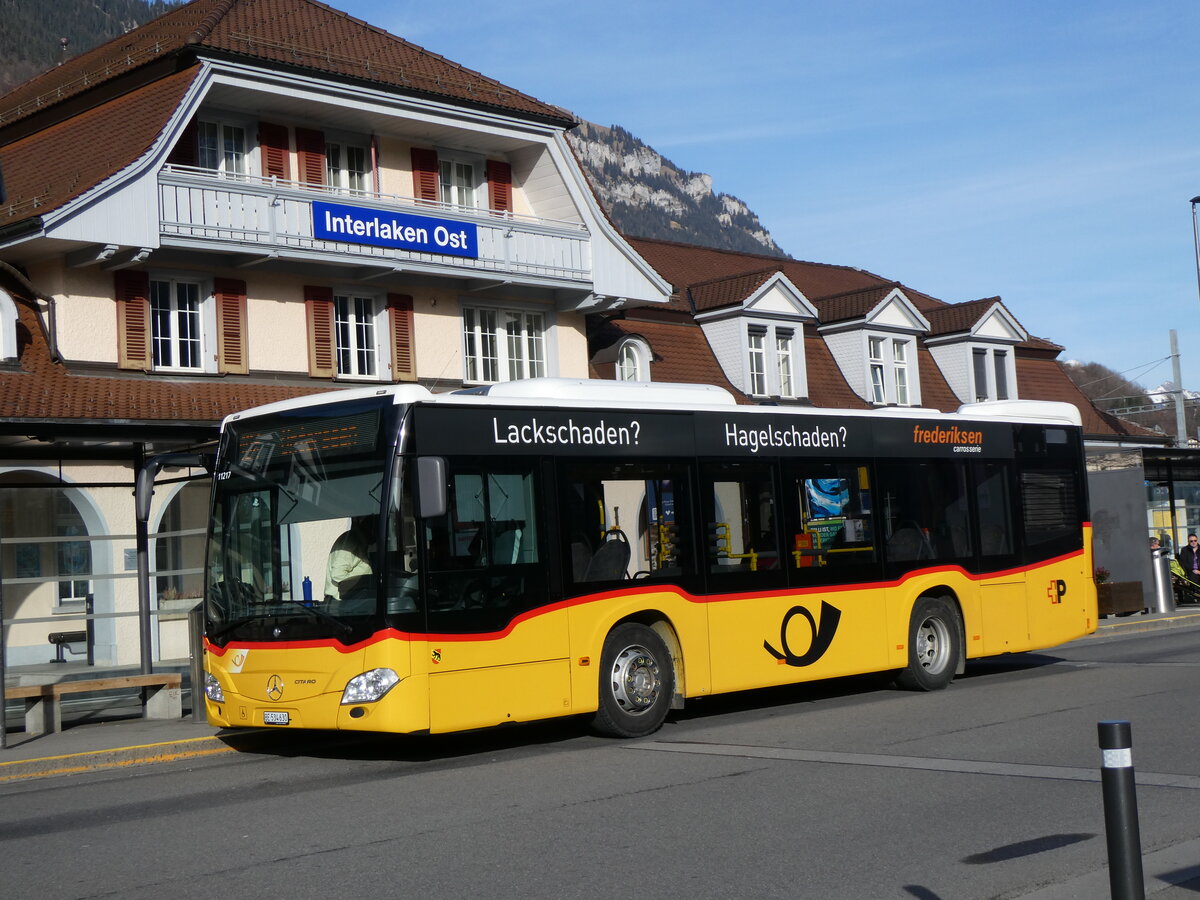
<point>821,637</point>
<point>275,687</point>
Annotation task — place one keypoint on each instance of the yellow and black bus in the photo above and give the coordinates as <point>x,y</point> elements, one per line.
<point>550,547</point>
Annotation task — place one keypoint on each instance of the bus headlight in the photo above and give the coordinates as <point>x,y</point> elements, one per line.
<point>369,686</point>
<point>212,688</point>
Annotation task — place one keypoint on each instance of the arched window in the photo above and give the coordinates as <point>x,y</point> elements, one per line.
<point>633,361</point>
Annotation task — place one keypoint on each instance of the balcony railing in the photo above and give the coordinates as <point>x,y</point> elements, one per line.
<point>198,206</point>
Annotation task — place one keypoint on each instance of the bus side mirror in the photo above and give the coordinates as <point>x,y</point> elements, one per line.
<point>431,487</point>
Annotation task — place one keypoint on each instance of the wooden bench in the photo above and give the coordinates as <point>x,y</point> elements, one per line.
<point>61,638</point>
<point>43,710</point>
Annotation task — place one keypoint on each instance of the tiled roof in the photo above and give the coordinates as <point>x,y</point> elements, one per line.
<point>52,166</point>
<point>684,264</point>
<point>852,304</point>
<point>297,34</point>
<point>1043,378</point>
<point>826,386</point>
<point>959,317</point>
<point>935,390</point>
<point>721,277</point>
<point>728,290</point>
<point>681,352</point>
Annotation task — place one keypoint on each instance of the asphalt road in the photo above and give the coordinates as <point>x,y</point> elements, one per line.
<point>842,790</point>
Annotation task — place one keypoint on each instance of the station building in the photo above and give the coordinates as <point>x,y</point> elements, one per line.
<point>239,202</point>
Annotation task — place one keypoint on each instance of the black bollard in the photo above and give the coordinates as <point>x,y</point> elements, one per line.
<point>1120,812</point>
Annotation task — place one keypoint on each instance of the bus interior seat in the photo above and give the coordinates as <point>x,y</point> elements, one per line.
<point>909,542</point>
<point>611,559</point>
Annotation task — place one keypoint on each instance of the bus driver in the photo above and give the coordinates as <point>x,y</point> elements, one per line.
<point>349,561</point>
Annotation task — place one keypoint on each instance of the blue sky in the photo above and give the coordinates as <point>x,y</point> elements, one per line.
<point>1042,152</point>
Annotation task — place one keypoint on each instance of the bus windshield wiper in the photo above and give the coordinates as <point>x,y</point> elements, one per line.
<point>343,628</point>
<point>236,623</point>
<point>320,614</point>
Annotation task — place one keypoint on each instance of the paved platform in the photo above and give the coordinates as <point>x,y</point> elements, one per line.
<point>129,741</point>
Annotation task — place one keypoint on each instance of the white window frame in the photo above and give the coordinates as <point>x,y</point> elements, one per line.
<point>785,354</point>
<point>8,327</point>
<point>223,164</point>
<point>756,361</point>
<point>774,364</point>
<point>451,192</point>
<point>204,319</point>
<point>501,343</point>
<point>891,370</point>
<point>994,360</point>
<point>633,361</point>
<point>339,176</point>
<point>361,335</point>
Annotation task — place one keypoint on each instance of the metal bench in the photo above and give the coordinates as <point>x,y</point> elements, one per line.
<point>43,710</point>
<point>60,639</point>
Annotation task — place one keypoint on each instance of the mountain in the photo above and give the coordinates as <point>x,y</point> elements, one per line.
<point>1150,407</point>
<point>647,195</point>
<point>644,194</point>
<point>31,39</point>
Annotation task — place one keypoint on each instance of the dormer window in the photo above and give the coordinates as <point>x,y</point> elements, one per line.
<point>757,354</point>
<point>888,359</point>
<point>770,361</point>
<point>990,371</point>
<point>783,361</point>
<point>633,361</point>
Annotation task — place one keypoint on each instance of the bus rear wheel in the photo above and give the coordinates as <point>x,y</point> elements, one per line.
<point>637,682</point>
<point>934,645</point>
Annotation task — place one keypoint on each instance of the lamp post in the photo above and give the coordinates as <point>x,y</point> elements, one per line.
<point>1196,240</point>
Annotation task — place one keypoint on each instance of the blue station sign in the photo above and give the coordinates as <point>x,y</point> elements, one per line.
<point>399,231</point>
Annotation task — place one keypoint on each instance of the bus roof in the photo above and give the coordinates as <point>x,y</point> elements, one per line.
<point>597,393</point>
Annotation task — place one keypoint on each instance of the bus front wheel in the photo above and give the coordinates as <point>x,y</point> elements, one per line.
<point>637,681</point>
<point>934,645</point>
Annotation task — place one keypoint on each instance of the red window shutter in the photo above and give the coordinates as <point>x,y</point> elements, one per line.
<point>273,140</point>
<point>185,152</point>
<point>404,362</point>
<point>232,355</point>
<point>425,174</point>
<point>133,320</point>
<point>499,178</point>
<point>310,155</point>
<point>318,306</point>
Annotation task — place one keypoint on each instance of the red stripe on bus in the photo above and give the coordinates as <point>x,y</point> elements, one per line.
<point>396,634</point>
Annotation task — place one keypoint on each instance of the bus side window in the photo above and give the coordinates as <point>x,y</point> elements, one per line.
<point>994,508</point>
<point>925,511</point>
<point>741,521</point>
<point>835,516</point>
<point>624,521</point>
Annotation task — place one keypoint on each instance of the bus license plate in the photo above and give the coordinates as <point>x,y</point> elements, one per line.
<point>275,717</point>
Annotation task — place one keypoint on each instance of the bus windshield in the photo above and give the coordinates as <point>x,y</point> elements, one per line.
<point>295,532</point>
